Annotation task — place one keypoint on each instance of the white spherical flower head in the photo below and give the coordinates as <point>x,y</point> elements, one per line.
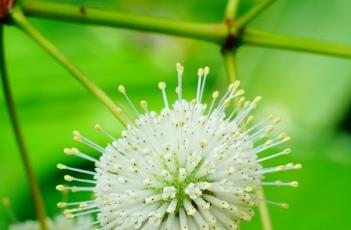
<point>191,166</point>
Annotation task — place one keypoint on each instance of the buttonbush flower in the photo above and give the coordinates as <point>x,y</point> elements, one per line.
<point>191,166</point>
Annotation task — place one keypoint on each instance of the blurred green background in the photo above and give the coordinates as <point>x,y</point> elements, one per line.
<point>312,94</point>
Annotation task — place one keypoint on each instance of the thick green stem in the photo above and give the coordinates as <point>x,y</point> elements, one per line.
<point>49,10</point>
<point>262,38</point>
<point>251,14</point>
<point>230,65</point>
<point>33,184</point>
<point>264,213</point>
<point>25,25</point>
<point>231,9</point>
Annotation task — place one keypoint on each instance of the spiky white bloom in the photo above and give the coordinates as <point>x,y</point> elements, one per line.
<point>188,167</point>
<point>58,223</point>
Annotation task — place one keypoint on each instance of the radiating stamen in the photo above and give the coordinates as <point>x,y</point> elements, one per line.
<point>79,138</point>
<point>143,105</point>
<point>180,70</point>
<point>70,178</point>
<point>281,183</point>
<point>215,95</point>
<point>106,133</point>
<point>65,167</point>
<point>76,152</point>
<point>162,87</point>
<point>284,152</point>
<point>206,71</point>
<point>200,73</point>
<point>123,91</point>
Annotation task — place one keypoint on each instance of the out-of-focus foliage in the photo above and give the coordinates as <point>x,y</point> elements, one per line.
<point>310,92</point>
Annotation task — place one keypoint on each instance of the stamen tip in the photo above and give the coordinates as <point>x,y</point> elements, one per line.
<point>200,72</point>
<point>298,166</point>
<point>143,104</point>
<point>61,205</point>
<point>179,68</point>
<point>60,188</point>
<point>294,184</point>
<point>68,178</point>
<point>121,89</point>
<point>61,166</point>
<point>215,94</point>
<point>206,70</point>
<point>162,85</point>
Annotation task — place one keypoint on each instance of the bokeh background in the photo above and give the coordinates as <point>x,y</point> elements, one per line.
<point>312,94</point>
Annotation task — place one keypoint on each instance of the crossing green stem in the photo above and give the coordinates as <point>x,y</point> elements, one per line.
<point>264,213</point>
<point>266,39</point>
<point>48,10</point>
<point>231,9</point>
<point>33,184</point>
<point>230,66</point>
<point>251,14</point>
<point>25,25</point>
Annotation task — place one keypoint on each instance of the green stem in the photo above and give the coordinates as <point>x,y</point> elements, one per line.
<point>25,25</point>
<point>33,184</point>
<point>262,38</point>
<point>230,65</point>
<point>251,14</point>
<point>264,213</point>
<point>49,10</point>
<point>231,9</point>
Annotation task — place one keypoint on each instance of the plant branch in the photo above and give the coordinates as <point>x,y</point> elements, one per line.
<point>251,14</point>
<point>48,10</point>
<point>264,213</point>
<point>33,184</point>
<point>25,25</point>
<point>262,38</point>
<point>231,9</point>
<point>230,65</point>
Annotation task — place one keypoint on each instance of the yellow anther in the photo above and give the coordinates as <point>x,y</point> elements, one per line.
<point>121,89</point>
<point>61,205</point>
<point>268,143</point>
<point>60,188</point>
<point>83,205</point>
<point>287,151</point>
<point>69,216</point>
<point>215,94</point>
<point>71,151</point>
<point>206,70</point>
<point>61,166</point>
<point>200,72</point>
<point>179,68</point>
<point>294,184</point>
<point>162,85</point>
<point>240,92</point>
<point>68,178</point>
<point>143,104</point>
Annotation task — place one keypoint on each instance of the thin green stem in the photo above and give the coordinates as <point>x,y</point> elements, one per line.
<point>230,65</point>
<point>49,10</point>
<point>264,213</point>
<point>251,14</point>
<point>33,184</point>
<point>25,25</point>
<point>262,38</point>
<point>231,9</point>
